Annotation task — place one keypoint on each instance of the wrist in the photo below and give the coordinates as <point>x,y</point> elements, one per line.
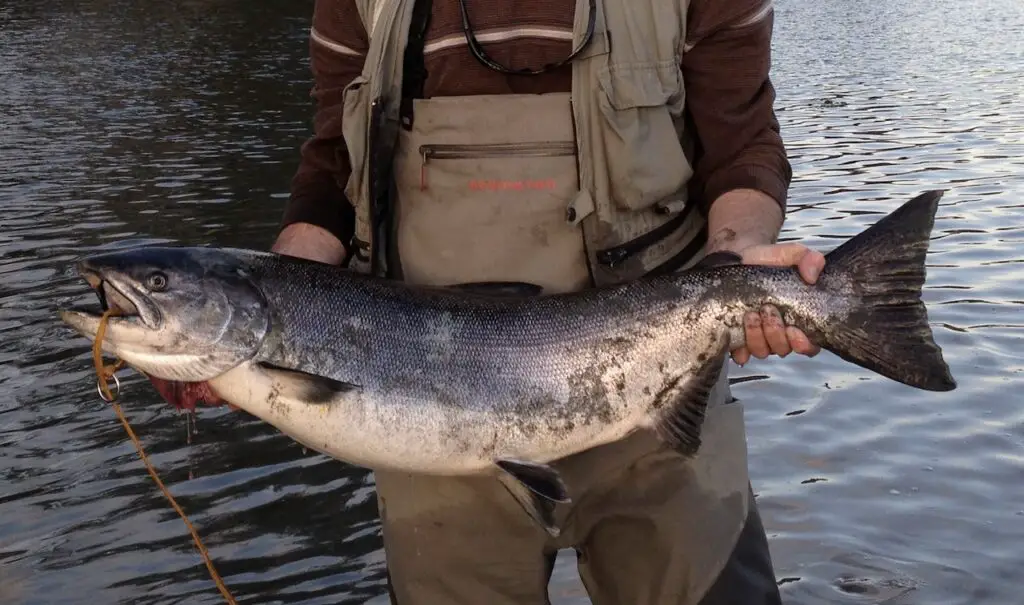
<point>742,218</point>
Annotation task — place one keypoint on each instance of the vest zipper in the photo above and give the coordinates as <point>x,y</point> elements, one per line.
<point>494,150</point>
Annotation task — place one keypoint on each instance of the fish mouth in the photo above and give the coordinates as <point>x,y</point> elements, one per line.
<point>128,304</point>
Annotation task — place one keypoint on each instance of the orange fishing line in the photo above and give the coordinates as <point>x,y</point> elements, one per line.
<point>104,373</point>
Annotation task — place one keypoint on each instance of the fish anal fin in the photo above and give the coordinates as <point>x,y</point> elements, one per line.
<point>684,403</point>
<point>307,387</point>
<point>722,258</point>
<point>538,488</point>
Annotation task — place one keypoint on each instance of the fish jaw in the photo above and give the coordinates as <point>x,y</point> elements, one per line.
<point>126,337</point>
<point>134,318</point>
<point>129,340</point>
<point>85,323</point>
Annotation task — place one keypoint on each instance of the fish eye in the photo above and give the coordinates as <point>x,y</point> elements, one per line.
<point>156,281</point>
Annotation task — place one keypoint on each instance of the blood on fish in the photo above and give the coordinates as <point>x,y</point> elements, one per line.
<point>188,395</point>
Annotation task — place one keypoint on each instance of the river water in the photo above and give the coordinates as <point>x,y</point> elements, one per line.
<point>126,122</point>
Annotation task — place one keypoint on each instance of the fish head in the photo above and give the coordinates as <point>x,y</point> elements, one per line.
<point>182,314</point>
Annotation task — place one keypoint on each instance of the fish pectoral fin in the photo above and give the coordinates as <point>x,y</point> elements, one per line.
<point>685,402</point>
<point>499,288</point>
<point>722,258</point>
<point>304,386</point>
<point>537,488</point>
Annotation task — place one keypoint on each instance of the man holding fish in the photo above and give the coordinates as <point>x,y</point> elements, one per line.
<point>562,144</point>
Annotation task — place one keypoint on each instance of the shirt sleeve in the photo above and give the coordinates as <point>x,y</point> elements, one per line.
<point>730,101</point>
<point>337,47</point>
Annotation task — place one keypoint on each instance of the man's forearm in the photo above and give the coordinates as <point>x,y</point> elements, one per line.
<point>741,218</point>
<point>310,241</point>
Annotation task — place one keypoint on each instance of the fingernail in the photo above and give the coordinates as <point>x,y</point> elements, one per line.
<point>772,318</point>
<point>814,274</point>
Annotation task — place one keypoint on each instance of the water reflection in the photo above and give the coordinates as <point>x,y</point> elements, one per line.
<point>127,122</point>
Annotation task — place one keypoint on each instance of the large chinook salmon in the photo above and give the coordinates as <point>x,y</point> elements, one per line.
<point>478,379</point>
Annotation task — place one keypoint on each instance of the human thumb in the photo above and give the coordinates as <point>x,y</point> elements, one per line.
<point>778,255</point>
<point>809,262</point>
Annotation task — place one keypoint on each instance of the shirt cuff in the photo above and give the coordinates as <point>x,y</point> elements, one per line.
<point>323,204</point>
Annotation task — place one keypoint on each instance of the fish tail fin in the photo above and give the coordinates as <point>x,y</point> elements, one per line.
<point>887,330</point>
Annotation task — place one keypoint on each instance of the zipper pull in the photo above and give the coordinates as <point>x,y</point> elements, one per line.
<point>424,153</point>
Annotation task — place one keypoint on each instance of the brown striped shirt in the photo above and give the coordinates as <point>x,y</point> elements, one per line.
<point>725,64</point>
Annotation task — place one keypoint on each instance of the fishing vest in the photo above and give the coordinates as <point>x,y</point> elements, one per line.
<point>632,148</point>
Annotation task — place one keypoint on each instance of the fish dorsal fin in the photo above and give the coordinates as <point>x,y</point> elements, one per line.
<point>499,288</point>
<point>537,487</point>
<point>303,386</point>
<point>722,258</point>
<point>684,402</point>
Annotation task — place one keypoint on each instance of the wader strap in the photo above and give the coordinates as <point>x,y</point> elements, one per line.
<point>381,149</point>
<point>414,71</point>
<point>383,139</point>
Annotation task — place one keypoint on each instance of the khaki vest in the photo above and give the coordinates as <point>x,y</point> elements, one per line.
<point>627,105</point>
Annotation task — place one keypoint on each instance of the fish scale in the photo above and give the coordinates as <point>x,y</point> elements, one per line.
<point>471,379</point>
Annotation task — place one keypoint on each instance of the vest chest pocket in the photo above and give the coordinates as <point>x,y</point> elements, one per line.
<point>487,211</point>
<point>641,105</point>
<point>490,179</point>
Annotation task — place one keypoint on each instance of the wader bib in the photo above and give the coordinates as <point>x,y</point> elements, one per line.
<point>556,190</point>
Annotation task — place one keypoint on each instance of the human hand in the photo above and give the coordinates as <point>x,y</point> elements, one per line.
<point>766,333</point>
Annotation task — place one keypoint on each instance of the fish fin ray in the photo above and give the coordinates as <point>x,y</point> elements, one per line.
<point>722,258</point>
<point>685,402</point>
<point>305,386</point>
<point>538,488</point>
<point>888,331</point>
<point>540,478</point>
